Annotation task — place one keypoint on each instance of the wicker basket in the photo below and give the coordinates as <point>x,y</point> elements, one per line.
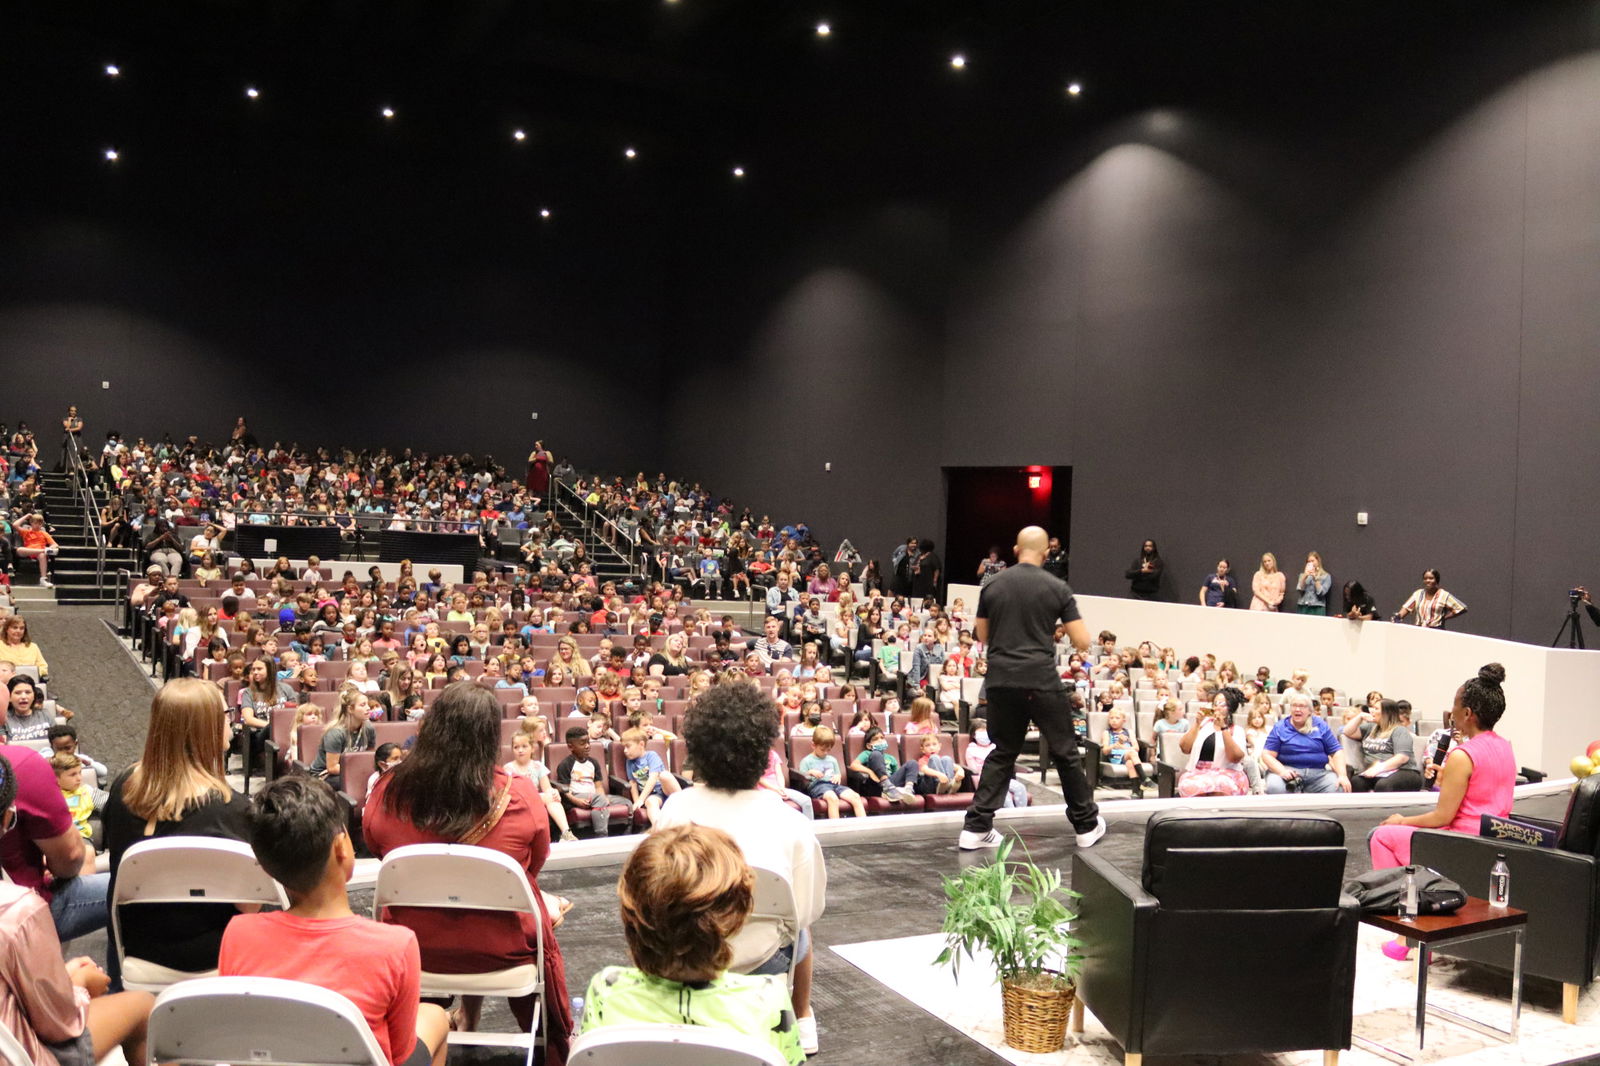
<point>1036,1019</point>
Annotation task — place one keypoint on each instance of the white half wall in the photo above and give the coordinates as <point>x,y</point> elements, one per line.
<point>1551,694</point>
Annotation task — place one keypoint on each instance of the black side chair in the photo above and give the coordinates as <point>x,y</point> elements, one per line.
<point>1256,896</point>
<point>1559,888</point>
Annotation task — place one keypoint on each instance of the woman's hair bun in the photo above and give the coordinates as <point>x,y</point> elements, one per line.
<point>1492,674</point>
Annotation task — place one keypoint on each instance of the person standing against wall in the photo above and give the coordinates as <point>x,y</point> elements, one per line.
<point>1017,616</point>
<point>900,563</point>
<point>1055,559</point>
<point>1431,605</point>
<point>1145,573</point>
<point>1314,584</point>
<point>1267,586</point>
<point>1220,589</point>
<point>926,573</point>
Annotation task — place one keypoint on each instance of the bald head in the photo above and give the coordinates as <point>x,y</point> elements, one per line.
<point>1032,543</point>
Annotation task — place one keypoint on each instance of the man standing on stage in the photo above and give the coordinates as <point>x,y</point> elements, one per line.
<point>1017,616</point>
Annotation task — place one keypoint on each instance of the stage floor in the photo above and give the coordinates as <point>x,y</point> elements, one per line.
<point>888,889</point>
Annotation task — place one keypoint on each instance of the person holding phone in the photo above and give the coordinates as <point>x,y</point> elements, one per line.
<point>1215,744</point>
<point>1314,584</point>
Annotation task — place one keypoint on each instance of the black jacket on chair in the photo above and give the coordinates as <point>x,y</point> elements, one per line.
<point>1559,888</point>
<point>1236,939</point>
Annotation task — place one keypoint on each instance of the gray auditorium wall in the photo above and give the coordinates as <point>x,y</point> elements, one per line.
<point>428,341</point>
<point>828,352</point>
<point>1241,335</point>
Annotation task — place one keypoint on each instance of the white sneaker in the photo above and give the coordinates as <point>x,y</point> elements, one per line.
<point>46,583</point>
<point>807,1028</point>
<point>971,841</point>
<point>1088,840</point>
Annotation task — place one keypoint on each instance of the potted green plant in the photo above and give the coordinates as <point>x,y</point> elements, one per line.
<point>1015,911</point>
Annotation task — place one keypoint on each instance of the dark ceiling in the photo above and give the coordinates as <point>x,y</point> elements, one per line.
<point>872,112</point>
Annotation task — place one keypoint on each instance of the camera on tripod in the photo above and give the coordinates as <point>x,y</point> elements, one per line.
<point>1572,629</point>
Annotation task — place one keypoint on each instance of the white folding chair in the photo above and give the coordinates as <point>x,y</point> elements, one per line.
<point>184,869</point>
<point>465,877</point>
<point>774,905</point>
<point>263,1021</point>
<point>670,1045</point>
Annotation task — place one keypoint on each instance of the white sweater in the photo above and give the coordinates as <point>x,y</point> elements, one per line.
<point>773,836</point>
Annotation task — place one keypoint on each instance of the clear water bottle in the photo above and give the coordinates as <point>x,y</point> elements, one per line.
<point>1408,894</point>
<point>1500,882</point>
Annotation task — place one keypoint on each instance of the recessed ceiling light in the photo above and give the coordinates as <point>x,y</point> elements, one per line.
<point>113,71</point>
<point>387,112</point>
<point>738,172</point>
<point>253,93</point>
<point>1074,88</point>
<point>112,155</point>
<point>958,61</point>
<point>630,153</point>
<point>544,212</point>
<point>519,135</point>
<point>823,29</point>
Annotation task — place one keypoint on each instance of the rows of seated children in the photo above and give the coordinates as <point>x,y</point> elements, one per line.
<point>160,492</point>
<point>1225,735</point>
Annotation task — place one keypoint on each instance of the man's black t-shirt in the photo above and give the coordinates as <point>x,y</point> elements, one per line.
<point>1022,605</point>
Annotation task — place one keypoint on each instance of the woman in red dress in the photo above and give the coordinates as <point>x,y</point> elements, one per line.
<point>449,790</point>
<point>539,470</point>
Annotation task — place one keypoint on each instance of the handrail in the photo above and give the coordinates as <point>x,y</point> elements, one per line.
<point>242,517</point>
<point>72,447</point>
<point>588,513</point>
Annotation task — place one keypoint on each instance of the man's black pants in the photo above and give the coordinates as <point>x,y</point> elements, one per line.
<point>1009,712</point>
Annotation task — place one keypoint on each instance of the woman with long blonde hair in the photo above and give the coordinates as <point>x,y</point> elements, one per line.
<point>567,657</point>
<point>1268,585</point>
<point>1314,584</point>
<point>177,788</point>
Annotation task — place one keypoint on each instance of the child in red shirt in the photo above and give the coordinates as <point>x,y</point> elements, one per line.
<point>297,830</point>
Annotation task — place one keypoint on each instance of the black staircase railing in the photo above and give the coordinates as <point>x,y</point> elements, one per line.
<point>601,531</point>
<point>78,475</point>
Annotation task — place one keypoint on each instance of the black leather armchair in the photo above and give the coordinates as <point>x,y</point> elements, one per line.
<point>1235,939</point>
<point>1559,888</point>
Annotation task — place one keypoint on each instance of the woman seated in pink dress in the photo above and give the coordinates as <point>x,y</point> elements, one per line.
<point>1478,777</point>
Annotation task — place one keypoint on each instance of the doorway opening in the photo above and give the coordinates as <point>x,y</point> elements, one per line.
<point>985,506</point>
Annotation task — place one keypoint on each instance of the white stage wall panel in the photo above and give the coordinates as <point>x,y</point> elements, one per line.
<point>1551,694</point>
